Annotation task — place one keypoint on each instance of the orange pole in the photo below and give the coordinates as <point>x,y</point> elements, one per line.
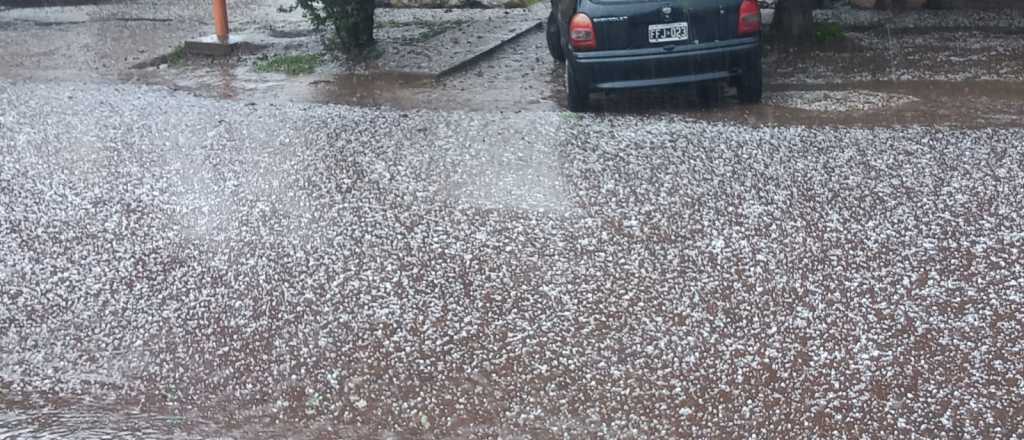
<point>220,19</point>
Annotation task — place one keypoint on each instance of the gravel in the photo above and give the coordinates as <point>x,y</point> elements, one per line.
<point>362,272</point>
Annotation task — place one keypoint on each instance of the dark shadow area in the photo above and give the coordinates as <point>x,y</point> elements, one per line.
<point>679,99</point>
<point>938,103</point>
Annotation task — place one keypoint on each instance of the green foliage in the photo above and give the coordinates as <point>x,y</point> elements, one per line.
<point>177,55</point>
<point>289,64</point>
<point>828,32</point>
<point>350,22</point>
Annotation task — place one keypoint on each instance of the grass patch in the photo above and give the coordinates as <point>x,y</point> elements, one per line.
<point>828,32</point>
<point>177,55</point>
<point>289,64</point>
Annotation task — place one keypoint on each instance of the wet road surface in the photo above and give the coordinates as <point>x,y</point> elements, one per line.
<point>192,267</point>
<point>958,76</point>
<point>522,77</point>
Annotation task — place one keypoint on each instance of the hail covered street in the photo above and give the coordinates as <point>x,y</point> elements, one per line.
<point>174,266</point>
<point>201,251</point>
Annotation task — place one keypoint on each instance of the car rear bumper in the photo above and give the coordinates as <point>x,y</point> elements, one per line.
<point>662,66</point>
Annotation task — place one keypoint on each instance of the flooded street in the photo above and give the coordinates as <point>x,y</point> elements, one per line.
<point>205,251</point>
<point>520,77</point>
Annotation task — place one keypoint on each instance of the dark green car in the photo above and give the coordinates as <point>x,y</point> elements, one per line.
<point>624,44</point>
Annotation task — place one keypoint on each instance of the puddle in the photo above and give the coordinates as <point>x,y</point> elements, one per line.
<point>868,103</point>
<point>967,104</point>
<point>25,416</point>
<point>521,77</point>
<point>34,417</point>
<point>78,424</point>
<point>388,89</point>
<point>100,423</point>
<point>403,91</point>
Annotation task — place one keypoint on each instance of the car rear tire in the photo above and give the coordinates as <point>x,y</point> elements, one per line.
<point>578,93</point>
<point>750,87</point>
<point>554,41</point>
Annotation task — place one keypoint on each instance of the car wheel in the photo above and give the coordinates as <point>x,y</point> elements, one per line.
<point>554,41</point>
<point>750,86</point>
<point>579,96</point>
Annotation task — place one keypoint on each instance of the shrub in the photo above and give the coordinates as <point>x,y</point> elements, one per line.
<point>827,32</point>
<point>350,22</point>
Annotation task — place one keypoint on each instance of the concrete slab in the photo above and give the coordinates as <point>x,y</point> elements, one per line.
<point>514,31</point>
<point>437,43</point>
<point>419,42</point>
<point>213,47</point>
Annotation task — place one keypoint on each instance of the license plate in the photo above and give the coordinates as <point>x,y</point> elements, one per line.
<point>660,33</point>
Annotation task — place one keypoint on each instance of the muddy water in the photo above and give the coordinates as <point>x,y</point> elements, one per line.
<point>79,424</point>
<point>521,77</point>
<point>933,103</point>
<point>24,416</point>
<point>393,89</point>
<point>936,103</point>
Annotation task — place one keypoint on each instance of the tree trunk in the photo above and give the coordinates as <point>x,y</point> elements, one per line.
<point>360,29</point>
<point>794,20</point>
<point>351,21</point>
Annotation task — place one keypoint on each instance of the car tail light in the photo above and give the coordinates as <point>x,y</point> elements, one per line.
<point>750,18</point>
<point>581,33</point>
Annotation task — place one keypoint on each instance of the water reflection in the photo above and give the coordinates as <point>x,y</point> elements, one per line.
<point>83,420</point>
<point>396,89</point>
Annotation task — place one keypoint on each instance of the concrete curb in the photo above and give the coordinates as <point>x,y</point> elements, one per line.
<point>458,65</point>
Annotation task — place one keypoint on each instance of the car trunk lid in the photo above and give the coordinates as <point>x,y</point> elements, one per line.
<point>625,24</point>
